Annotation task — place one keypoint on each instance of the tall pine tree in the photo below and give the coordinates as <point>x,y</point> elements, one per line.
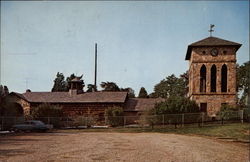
<point>143,93</point>
<point>60,84</point>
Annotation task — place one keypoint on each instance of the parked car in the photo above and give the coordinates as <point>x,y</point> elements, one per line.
<point>31,125</point>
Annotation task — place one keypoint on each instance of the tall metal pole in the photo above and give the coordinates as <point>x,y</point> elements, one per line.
<point>95,65</point>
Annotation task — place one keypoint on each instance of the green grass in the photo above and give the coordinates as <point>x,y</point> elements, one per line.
<point>236,131</point>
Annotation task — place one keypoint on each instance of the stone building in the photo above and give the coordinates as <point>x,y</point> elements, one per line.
<point>212,73</point>
<point>75,102</point>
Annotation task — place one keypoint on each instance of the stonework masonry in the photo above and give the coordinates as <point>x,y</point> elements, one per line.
<point>201,56</point>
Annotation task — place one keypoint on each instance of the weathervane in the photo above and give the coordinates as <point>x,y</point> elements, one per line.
<point>211,29</point>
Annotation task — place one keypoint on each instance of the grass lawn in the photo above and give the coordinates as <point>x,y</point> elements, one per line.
<point>236,131</point>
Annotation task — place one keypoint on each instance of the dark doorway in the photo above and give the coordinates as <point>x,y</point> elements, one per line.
<point>224,78</point>
<point>203,73</point>
<point>203,107</point>
<point>213,79</point>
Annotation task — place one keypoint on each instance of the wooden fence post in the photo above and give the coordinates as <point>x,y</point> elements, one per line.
<point>124,121</point>
<point>2,123</point>
<point>202,119</point>
<point>163,120</point>
<point>241,115</point>
<point>182,119</point>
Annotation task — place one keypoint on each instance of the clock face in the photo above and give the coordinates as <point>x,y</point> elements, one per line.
<point>214,52</point>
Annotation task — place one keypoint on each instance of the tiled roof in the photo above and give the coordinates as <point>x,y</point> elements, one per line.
<point>210,41</point>
<point>141,104</point>
<point>65,97</point>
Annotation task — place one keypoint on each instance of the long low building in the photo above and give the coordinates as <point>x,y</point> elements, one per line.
<point>75,102</point>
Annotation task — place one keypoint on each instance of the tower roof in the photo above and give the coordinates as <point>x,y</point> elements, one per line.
<point>210,41</point>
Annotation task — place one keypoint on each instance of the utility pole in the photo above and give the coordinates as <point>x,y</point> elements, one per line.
<point>95,66</point>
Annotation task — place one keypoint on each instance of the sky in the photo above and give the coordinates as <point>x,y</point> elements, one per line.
<point>139,43</point>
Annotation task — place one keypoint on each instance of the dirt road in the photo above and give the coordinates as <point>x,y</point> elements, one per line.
<point>137,147</point>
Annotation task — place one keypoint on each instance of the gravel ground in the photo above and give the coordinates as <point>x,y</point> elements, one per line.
<point>139,147</point>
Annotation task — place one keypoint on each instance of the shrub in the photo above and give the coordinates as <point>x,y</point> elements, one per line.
<point>47,110</point>
<point>114,116</point>
<point>176,105</point>
<point>47,113</point>
<point>172,109</point>
<point>229,112</point>
<point>84,121</point>
<point>148,118</point>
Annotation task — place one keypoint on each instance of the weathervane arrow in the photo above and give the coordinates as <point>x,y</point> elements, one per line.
<point>211,29</point>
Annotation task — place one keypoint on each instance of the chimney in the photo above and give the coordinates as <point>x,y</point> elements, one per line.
<point>73,92</point>
<point>76,86</point>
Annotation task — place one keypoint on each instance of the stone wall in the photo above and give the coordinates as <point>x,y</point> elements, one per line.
<point>23,103</point>
<point>83,109</point>
<point>214,102</point>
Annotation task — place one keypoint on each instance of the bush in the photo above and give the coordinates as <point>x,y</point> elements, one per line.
<point>148,118</point>
<point>47,113</point>
<point>246,114</point>
<point>114,116</point>
<point>172,109</point>
<point>47,110</point>
<point>229,112</point>
<point>176,105</point>
<point>84,121</point>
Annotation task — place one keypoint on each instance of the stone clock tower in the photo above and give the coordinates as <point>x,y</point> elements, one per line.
<point>212,73</point>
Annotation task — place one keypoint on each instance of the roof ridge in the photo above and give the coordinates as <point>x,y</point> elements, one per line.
<point>216,38</point>
<point>211,41</point>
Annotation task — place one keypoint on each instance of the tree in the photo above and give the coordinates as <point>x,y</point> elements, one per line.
<point>176,105</point>
<point>62,85</point>
<point>48,114</point>
<point>114,115</point>
<point>143,93</point>
<point>109,86</point>
<point>131,92</point>
<point>185,78</point>
<point>242,80</point>
<point>59,83</point>
<point>4,91</point>
<point>171,86</point>
<point>91,88</point>
<point>228,112</point>
<point>173,107</point>
<point>47,110</point>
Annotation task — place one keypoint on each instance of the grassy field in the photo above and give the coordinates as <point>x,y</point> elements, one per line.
<point>236,131</point>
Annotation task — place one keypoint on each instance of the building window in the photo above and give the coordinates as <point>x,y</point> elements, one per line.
<point>224,78</point>
<point>203,73</point>
<point>213,79</point>
<point>203,107</point>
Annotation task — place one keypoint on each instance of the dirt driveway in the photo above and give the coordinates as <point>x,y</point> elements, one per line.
<point>118,147</point>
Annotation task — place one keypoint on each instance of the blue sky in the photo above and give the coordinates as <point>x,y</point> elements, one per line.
<point>139,43</point>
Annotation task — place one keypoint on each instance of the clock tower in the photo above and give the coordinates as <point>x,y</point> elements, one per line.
<point>212,73</point>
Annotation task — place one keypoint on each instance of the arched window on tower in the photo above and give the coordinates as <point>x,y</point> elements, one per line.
<point>203,72</point>
<point>224,78</point>
<point>213,79</point>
